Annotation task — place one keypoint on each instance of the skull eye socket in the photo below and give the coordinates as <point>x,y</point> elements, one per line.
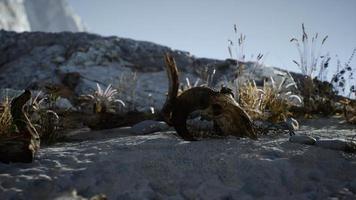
<point>226,90</point>
<point>217,109</point>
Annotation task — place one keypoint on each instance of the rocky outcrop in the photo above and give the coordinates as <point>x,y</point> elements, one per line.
<point>75,62</point>
<point>39,15</point>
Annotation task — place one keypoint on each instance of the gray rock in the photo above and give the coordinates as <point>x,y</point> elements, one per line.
<point>64,104</point>
<point>302,139</point>
<point>335,144</point>
<point>9,93</point>
<point>352,186</point>
<point>149,126</point>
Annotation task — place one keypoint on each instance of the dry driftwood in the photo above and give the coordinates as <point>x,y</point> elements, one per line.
<point>22,145</point>
<point>220,106</point>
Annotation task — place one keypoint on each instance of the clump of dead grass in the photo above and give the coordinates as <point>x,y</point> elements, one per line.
<point>41,109</point>
<point>6,125</point>
<point>272,102</point>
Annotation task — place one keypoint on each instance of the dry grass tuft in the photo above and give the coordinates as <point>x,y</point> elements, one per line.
<point>41,110</point>
<point>6,125</point>
<point>272,102</point>
<point>250,98</point>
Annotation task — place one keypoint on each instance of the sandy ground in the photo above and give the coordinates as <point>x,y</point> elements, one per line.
<point>161,166</point>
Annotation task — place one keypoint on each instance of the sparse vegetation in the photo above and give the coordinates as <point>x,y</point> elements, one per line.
<point>238,48</point>
<point>127,85</point>
<point>310,56</point>
<point>206,80</point>
<point>318,95</point>
<point>270,102</point>
<point>343,80</point>
<point>42,112</point>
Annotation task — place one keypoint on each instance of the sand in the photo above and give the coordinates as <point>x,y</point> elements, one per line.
<point>162,166</point>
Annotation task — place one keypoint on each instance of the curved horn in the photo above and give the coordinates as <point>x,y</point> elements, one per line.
<point>173,85</point>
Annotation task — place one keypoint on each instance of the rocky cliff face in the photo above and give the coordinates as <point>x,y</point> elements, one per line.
<point>75,62</point>
<point>13,16</point>
<point>38,15</point>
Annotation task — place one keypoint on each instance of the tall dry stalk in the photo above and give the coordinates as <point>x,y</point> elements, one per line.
<point>6,125</point>
<point>309,52</point>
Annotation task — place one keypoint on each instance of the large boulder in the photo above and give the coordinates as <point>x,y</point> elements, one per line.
<point>76,62</point>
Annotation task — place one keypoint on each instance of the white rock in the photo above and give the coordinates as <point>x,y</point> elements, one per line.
<point>39,15</point>
<point>149,126</point>
<point>13,16</point>
<point>52,16</point>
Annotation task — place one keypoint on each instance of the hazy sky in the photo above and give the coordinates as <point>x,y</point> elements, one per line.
<point>203,27</point>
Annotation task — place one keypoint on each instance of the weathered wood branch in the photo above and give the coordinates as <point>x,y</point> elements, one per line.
<point>22,145</point>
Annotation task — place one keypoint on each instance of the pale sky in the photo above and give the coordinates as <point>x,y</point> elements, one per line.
<point>203,27</point>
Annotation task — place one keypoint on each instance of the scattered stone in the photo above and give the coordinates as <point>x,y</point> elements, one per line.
<point>302,139</point>
<point>149,126</point>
